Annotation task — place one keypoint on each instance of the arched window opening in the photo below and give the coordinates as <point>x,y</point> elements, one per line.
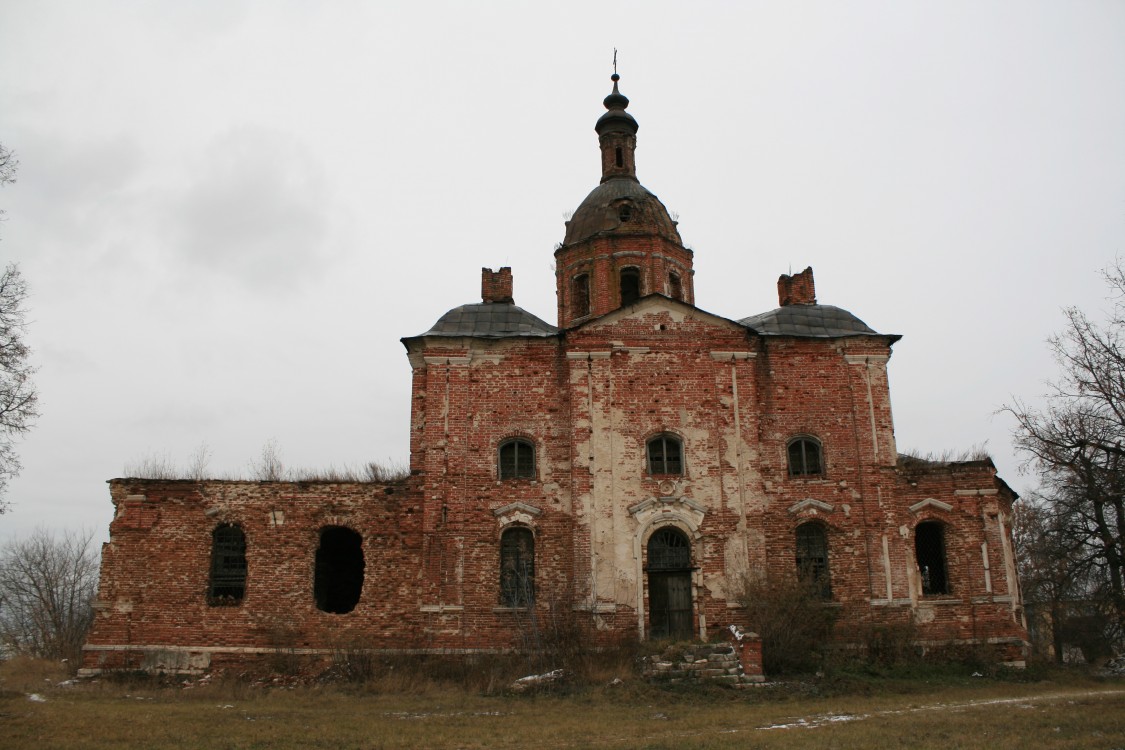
<point>929,549</point>
<point>581,295</point>
<point>669,584</point>
<point>675,286</point>
<point>630,285</point>
<point>812,559</point>
<point>804,458</point>
<point>517,459</point>
<point>665,455</point>
<point>619,157</point>
<point>624,212</point>
<point>517,567</point>
<point>228,566</point>
<point>338,578</point>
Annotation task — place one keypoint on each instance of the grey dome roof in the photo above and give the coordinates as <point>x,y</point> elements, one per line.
<point>601,212</point>
<point>490,320</point>
<point>817,321</point>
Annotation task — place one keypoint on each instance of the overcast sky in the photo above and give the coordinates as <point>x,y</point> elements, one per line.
<point>230,212</point>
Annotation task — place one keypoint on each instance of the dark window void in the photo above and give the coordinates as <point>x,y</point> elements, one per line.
<point>929,548</point>
<point>675,286</point>
<point>630,285</point>
<point>517,460</point>
<point>619,157</point>
<point>812,559</point>
<point>581,295</point>
<point>804,458</point>
<point>668,549</point>
<point>517,568</point>
<point>624,212</point>
<point>228,566</point>
<point>665,455</point>
<point>338,580</point>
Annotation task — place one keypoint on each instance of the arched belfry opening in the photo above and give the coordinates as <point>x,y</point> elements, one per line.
<point>669,585</point>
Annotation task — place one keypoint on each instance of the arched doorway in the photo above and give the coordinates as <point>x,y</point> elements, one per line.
<point>669,585</point>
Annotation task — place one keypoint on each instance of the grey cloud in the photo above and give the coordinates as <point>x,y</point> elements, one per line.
<point>256,210</point>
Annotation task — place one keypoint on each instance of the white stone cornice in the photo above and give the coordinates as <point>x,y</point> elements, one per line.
<point>583,356</point>
<point>512,507</point>
<point>866,359</point>
<point>810,504</point>
<point>930,502</point>
<point>516,513</point>
<point>661,504</point>
<point>728,356</point>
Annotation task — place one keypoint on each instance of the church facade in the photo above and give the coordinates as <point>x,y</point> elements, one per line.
<point>630,468</point>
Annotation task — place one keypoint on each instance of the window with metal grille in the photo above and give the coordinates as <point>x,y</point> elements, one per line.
<point>581,295</point>
<point>630,285</point>
<point>812,559</point>
<point>517,460</point>
<point>338,576</point>
<point>929,549</point>
<point>517,567</point>
<point>804,457</point>
<point>228,566</point>
<point>668,549</point>
<point>665,455</point>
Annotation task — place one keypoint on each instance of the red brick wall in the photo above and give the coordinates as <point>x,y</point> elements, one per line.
<point>587,400</point>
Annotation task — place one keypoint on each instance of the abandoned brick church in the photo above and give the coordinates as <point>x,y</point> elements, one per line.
<point>633,465</point>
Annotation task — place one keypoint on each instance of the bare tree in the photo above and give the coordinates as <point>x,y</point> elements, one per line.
<point>1075,446</point>
<point>19,400</point>
<point>47,588</point>
<point>1064,588</point>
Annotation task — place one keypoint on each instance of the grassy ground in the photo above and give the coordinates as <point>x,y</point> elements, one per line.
<point>920,709</point>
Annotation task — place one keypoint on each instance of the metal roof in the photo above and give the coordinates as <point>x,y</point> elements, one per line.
<point>490,320</point>
<point>599,212</point>
<point>818,321</point>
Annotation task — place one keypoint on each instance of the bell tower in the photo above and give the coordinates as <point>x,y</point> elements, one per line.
<point>621,244</point>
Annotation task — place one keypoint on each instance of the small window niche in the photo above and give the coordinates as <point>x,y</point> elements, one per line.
<point>338,579</point>
<point>665,455</point>
<point>227,586</point>
<point>805,458</point>
<point>517,459</point>
<point>929,550</point>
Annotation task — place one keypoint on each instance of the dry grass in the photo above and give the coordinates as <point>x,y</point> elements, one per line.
<point>1068,712</point>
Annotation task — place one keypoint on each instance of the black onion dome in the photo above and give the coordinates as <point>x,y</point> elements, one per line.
<point>814,321</point>
<point>620,206</point>
<point>490,320</point>
<point>616,119</point>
